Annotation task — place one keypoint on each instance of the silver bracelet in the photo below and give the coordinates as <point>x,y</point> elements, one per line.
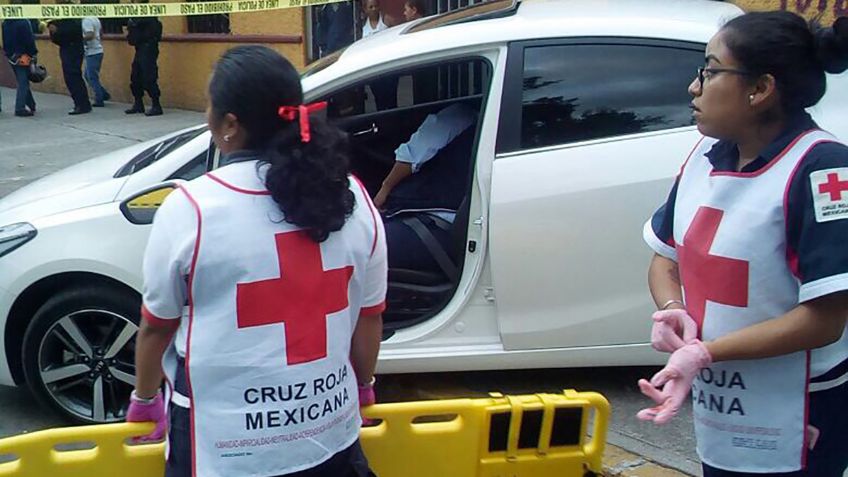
<point>135,397</point>
<point>672,302</point>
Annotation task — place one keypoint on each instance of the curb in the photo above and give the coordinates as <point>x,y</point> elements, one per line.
<point>621,463</point>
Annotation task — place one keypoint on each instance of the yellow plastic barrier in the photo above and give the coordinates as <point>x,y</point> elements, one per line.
<point>537,435</point>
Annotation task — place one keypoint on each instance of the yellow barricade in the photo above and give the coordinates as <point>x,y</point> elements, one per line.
<point>541,435</point>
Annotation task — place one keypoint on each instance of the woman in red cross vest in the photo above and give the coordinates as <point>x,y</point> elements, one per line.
<point>750,273</point>
<point>264,284</point>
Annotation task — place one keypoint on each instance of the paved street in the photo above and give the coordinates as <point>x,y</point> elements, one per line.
<point>33,147</point>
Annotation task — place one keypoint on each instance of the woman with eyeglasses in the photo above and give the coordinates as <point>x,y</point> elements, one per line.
<point>750,272</point>
<point>264,284</point>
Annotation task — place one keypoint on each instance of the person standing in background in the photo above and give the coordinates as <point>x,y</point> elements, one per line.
<point>414,9</point>
<point>67,34</point>
<point>750,271</point>
<point>19,45</point>
<point>374,21</point>
<point>336,27</point>
<point>144,34</point>
<point>383,89</point>
<point>91,31</point>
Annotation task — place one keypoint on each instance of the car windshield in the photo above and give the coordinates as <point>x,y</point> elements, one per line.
<point>322,63</point>
<point>481,11</point>
<point>157,151</point>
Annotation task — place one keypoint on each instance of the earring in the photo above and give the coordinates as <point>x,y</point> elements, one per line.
<point>227,136</point>
<point>751,98</point>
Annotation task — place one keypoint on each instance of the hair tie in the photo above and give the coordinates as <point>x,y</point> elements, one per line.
<point>301,112</point>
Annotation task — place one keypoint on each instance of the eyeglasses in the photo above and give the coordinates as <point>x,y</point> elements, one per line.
<point>709,72</point>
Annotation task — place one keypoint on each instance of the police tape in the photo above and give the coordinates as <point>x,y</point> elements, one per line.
<point>125,10</point>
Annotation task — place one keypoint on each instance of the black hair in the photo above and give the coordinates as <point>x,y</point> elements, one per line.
<point>795,52</point>
<point>419,6</point>
<point>309,181</point>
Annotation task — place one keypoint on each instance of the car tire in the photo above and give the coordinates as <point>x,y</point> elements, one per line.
<point>78,353</point>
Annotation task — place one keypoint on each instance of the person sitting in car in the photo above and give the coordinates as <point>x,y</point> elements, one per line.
<point>426,185</point>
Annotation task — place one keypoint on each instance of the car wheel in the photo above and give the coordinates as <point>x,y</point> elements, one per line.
<point>79,353</point>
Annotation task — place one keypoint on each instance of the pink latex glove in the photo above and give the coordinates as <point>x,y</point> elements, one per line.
<point>366,398</point>
<point>672,330</point>
<point>139,411</point>
<point>675,379</point>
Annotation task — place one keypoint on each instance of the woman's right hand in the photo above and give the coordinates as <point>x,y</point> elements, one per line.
<point>149,410</point>
<point>672,385</point>
<point>672,330</point>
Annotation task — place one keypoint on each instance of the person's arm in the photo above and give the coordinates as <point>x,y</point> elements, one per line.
<point>29,42</point>
<point>810,325</point>
<point>365,343</point>
<point>664,282</point>
<point>434,133</point>
<point>399,172</point>
<point>365,346</point>
<point>164,268</point>
<point>150,345</point>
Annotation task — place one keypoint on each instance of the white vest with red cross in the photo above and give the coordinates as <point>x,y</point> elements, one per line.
<point>730,236</point>
<point>271,316</point>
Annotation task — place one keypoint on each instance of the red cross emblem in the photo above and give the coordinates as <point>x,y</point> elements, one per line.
<point>833,186</point>
<point>301,298</point>
<point>709,277</point>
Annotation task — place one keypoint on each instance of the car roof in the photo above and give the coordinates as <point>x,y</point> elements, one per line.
<point>686,20</point>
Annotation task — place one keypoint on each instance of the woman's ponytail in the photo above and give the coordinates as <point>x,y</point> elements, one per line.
<point>832,46</point>
<point>307,174</point>
<point>309,180</point>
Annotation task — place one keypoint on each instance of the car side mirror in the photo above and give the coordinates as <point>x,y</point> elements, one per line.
<point>140,208</point>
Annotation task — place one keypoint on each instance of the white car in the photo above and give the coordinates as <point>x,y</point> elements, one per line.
<point>583,123</point>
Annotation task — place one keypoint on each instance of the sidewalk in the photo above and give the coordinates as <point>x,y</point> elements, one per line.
<point>36,146</point>
<point>621,463</point>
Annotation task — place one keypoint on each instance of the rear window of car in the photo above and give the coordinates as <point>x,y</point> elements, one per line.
<point>580,92</point>
<point>157,151</point>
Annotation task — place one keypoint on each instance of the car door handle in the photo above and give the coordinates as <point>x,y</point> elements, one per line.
<point>372,130</point>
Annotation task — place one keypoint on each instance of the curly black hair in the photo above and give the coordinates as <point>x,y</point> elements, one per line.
<point>308,180</point>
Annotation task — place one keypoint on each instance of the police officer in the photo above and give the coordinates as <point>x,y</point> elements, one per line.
<point>144,34</point>
<point>280,257</point>
<point>751,268</point>
<point>67,34</point>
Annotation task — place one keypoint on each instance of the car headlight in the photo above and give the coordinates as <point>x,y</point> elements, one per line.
<point>14,235</point>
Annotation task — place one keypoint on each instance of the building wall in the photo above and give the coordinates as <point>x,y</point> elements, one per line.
<point>185,59</point>
<point>184,68</point>
<point>828,10</point>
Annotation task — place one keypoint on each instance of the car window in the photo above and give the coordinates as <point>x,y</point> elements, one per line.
<point>193,169</point>
<point>158,151</point>
<point>411,87</point>
<point>579,92</point>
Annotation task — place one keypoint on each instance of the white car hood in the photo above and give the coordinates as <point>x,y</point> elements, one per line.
<point>82,185</point>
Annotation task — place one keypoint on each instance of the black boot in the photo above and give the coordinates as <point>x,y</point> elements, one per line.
<point>137,107</point>
<point>155,108</point>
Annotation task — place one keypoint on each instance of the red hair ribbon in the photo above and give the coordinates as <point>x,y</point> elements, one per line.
<point>290,113</point>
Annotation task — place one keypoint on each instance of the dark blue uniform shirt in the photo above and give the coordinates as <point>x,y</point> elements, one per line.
<point>820,247</point>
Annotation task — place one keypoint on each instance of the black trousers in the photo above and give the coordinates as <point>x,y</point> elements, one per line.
<point>72,56</point>
<point>404,246</point>
<point>145,71</point>
<point>830,456</point>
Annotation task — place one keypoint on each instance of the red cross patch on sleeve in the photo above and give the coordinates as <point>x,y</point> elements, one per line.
<point>830,194</point>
